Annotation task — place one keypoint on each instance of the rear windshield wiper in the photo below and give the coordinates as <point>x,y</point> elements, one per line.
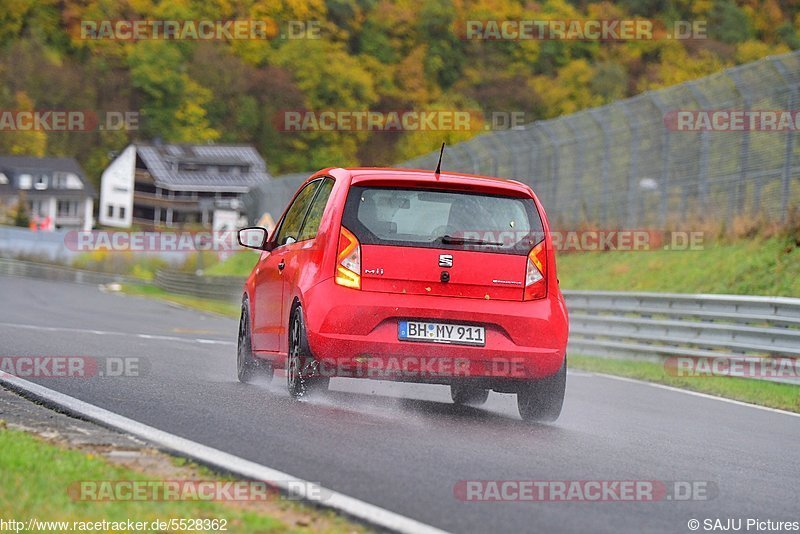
<point>453,240</point>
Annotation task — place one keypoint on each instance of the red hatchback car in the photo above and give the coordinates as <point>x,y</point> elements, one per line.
<point>409,275</point>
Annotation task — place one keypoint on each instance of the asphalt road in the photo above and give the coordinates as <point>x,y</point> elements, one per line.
<point>404,447</point>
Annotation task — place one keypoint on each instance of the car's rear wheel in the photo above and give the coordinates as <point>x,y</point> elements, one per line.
<point>541,400</point>
<point>247,365</point>
<point>301,372</point>
<point>469,396</point>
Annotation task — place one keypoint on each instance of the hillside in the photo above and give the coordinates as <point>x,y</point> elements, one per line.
<point>351,55</point>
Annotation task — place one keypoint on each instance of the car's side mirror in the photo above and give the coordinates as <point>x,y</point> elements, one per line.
<point>253,237</point>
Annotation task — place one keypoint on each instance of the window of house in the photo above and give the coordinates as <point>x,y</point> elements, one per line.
<point>3,178</point>
<point>122,212</point>
<point>67,208</point>
<point>66,180</point>
<point>74,181</point>
<point>25,181</point>
<point>40,183</point>
<point>191,167</point>
<point>37,208</point>
<point>110,210</point>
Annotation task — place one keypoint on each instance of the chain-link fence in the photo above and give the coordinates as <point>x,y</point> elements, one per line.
<point>628,165</point>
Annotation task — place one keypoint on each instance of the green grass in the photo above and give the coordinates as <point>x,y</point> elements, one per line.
<point>221,307</point>
<point>35,478</point>
<point>757,267</point>
<point>240,263</point>
<point>126,263</point>
<point>761,392</point>
<point>746,267</point>
<point>743,267</point>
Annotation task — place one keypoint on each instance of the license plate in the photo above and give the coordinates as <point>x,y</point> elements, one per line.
<point>441,333</point>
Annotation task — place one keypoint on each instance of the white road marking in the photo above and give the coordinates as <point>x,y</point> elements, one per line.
<point>124,334</point>
<point>304,489</point>
<point>698,394</point>
<point>572,372</point>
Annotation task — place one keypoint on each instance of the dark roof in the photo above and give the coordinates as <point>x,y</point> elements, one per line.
<point>162,162</point>
<point>273,196</point>
<point>41,164</point>
<point>13,165</point>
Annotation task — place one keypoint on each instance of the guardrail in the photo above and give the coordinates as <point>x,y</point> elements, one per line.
<point>654,325</point>
<point>602,323</point>
<point>29,269</point>
<point>208,287</point>
<point>668,324</point>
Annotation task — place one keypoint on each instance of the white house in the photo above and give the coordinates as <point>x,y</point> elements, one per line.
<point>55,191</point>
<point>167,185</point>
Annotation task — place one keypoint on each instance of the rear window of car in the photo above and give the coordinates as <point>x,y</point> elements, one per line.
<point>442,219</point>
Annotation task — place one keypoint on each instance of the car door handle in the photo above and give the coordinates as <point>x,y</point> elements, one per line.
<point>281,265</point>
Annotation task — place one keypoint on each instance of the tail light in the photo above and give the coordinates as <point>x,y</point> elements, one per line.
<point>348,260</point>
<point>536,273</point>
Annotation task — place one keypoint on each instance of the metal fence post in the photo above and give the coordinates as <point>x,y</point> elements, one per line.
<point>789,157</point>
<point>663,180</point>
<point>604,176</point>
<point>579,201</point>
<point>736,200</point>
<point>533,156</point>
<point>632,214</point>
<point>704,150</point>
<point>474,162</point>
<point>555,147</point>
<point>494,152</point>
<point>704,175</point>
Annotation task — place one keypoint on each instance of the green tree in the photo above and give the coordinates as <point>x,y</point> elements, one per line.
<point>173,104</point>
<point>445,58</point>
<point>729,23</point>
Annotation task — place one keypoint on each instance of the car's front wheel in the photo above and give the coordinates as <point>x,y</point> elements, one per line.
<point>247,365</point>
<point>466,395</point>
<point>301,374</point>
<point>541,400</point>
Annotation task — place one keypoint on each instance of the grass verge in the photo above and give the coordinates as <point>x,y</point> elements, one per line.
<point>35,478</point>
<point>220,307</point>
<point>761,392</point>
<point>758,266</point>
<point>745,267</point>
<point>238,264</point>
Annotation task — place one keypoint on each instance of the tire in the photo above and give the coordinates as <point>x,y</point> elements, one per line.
<point>541,400</point>
<point>301,379</point>
<point>248,367</point>
<point>468,396</point>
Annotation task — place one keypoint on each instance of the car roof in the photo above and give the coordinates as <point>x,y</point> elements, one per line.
<point>426,178</point>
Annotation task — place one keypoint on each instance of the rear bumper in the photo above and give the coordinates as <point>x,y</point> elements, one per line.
<point>354,333</point>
